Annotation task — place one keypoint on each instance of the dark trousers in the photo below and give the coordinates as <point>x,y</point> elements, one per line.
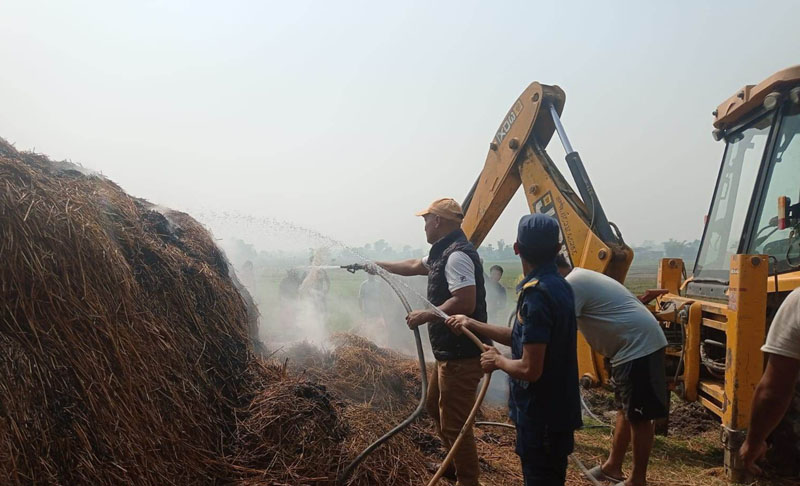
<point>544,470</point>
<point>545,463</point>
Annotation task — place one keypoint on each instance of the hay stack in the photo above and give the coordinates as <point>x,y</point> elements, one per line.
<point>124,341</point>
<point>126,359</point>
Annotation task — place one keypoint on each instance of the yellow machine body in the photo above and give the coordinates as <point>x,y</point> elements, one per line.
<point>735,311</point>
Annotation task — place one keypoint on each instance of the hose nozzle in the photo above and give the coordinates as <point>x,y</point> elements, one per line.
<point>353,267</point>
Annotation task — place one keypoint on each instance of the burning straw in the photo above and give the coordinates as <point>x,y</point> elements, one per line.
<point>311,432</point>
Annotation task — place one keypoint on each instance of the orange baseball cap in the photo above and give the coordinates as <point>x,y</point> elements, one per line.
<point>446,208</point>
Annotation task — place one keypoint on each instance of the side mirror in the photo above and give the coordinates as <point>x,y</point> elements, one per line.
<point>788,213</point>
<point>783,212</point>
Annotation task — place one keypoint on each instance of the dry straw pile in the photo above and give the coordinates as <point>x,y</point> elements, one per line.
<point>124,342</point>
<point>126,358</point>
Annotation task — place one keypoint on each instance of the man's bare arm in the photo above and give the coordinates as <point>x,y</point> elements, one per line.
<point>528,368</point>
<point>773,396</point>
<point>405,268</point>
<point>462,301</point>
<point>500,334</point>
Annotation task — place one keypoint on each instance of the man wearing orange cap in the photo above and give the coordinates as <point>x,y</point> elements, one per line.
<point>455,286</point>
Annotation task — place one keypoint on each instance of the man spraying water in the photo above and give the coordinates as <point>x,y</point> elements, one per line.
<point>455,286</point>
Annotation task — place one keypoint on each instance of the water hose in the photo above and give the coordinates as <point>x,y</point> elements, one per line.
<point>602,423</point>
<point>585,471</point>
<point>423,395</point>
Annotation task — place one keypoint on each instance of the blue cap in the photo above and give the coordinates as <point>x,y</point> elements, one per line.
<point>538,234</point>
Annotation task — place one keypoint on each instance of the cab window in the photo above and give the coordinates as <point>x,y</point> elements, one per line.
<point>732,197</point>
<point>783,180</point>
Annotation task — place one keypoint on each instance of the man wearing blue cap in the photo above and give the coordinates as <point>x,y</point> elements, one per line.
<point>544,402</point>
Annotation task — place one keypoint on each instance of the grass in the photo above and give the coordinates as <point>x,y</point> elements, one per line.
<point>679,459</point>
<point>673,461</point>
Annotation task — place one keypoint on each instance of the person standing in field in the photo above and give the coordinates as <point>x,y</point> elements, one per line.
<point>288,295</point>
<point>370,297</point>
<point>496,296</point>
<point>544,400</point>
<point>455,286</point>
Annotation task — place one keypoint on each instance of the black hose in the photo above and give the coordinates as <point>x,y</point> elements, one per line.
<point>416,413</point>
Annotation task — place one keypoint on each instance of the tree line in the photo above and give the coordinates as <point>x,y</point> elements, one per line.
<point>239,251</point>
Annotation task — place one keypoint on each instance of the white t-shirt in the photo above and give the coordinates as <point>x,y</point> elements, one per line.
<point>784,333</point>
<point>613,321</point>
<point>459,270</point>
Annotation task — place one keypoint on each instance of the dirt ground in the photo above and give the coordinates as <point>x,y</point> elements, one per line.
<point>690,455</point>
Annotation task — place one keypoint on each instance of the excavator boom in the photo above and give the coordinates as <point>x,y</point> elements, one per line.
<point>517,157</point>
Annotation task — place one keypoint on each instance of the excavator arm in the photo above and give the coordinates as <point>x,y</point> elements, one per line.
<point>517,157</point>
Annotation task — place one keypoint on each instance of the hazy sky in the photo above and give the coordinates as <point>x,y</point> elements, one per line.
<point>348,117</point>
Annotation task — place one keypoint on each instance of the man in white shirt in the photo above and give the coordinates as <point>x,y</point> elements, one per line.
<point>618,326</point>
<point>455,286</point>
<point>775,390</point>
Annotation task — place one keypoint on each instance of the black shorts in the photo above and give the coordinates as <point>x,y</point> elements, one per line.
<point>640,388</point>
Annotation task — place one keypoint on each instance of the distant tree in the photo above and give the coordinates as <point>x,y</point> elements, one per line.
<point>501,246</point>
<point>691,250</point>
<point>686,250</point>
<point>380,246</point>
<point>674,248</point>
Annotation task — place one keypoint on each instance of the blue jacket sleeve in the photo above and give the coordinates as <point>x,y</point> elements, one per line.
<point>537,323</point>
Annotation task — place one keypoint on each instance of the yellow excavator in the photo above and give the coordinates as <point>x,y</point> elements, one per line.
<point>716,316</point>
